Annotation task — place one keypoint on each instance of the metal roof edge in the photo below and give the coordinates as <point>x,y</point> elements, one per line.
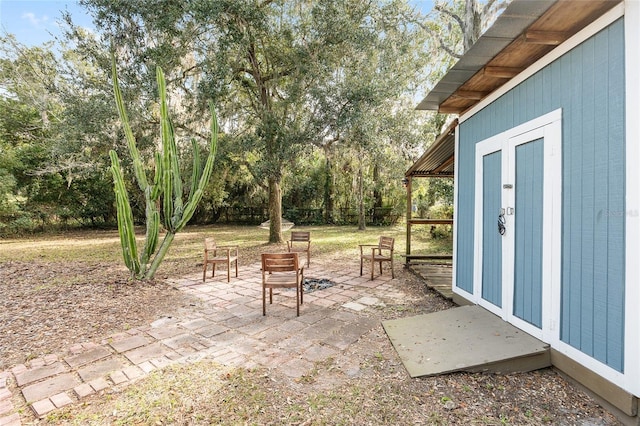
<point>450,129</point>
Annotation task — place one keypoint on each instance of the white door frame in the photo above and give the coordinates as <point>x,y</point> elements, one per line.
<point>548,127</point>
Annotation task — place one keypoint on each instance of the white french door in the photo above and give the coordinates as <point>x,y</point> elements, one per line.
<point>517,227</point>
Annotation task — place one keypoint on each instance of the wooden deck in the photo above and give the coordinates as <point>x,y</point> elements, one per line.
<point>437,276</point>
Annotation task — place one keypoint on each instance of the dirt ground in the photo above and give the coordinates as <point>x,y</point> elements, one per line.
<point>46,307</point>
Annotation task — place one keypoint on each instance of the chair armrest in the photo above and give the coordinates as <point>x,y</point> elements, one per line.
<point>227,250</point>
<point>362,246</point>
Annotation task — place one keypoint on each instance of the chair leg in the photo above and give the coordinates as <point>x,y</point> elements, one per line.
<point>380,267</point>
<point>392,275</point>
<point>360,265</point>
<point>373,264</point>
<point>204,272</point>
<point>236,268</point>
<point>228,271</point>
<point>264,301</point>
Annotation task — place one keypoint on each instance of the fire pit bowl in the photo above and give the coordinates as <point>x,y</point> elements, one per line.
<point>313,284</point>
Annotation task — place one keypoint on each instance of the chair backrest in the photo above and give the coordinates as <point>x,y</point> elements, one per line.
<point>209,244</point>
<point>386,243</point>
<point>302,236</point>
<point>279,262</point>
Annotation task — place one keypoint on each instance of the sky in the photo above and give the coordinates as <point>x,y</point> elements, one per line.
<point>35,22</point>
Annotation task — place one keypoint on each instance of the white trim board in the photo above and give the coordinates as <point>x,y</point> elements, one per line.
<point>632,198</point>
<point>454,260</point>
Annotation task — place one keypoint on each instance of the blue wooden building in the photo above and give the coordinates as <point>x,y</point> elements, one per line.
<point>547,183</point>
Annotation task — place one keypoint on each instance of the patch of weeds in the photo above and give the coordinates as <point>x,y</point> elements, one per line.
<point>307,378</point>
<point>436,419</point>
<point>58,417</point>
<point>318,366</point>
<point>445,399</point>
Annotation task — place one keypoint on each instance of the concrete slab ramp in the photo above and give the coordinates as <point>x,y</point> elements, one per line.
<point>466,338</point>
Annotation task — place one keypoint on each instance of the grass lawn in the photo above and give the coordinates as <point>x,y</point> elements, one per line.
<point>187,248</point>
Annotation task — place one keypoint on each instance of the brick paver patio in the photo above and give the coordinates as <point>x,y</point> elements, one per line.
<point>227,327</point>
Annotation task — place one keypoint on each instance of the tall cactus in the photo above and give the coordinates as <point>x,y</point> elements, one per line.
<point>165,189</point>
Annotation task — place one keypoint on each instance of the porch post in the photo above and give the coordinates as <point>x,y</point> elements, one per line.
<point>408,180</point>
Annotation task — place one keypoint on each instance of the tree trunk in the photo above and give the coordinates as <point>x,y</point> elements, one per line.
<point>362,218</point>
<point>469,30</point>
<point>159,257</point>
<point>472,24</point>
<point>275,211</point>
<point>377,197</point>
<point>328,191</point>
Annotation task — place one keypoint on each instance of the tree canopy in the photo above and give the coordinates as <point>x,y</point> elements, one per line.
<point>315,101</point>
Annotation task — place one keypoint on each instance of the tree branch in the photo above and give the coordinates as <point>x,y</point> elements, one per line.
<point>452,15</point>
<point>441,42</point>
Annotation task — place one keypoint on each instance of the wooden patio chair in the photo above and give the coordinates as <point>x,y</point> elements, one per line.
<point>378,253</point>
<point>281,270</point>
<point>300,242</point>
<point>215,254</point>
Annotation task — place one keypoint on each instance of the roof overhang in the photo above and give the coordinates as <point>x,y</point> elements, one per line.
<point>526,31</point>
<point>438,160</point>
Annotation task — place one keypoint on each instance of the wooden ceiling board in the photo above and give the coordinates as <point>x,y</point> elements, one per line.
<point>571,16</point>
<point>520,54</point>
<point>482,83</point>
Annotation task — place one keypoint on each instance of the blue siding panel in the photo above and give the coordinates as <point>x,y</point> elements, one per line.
<point>527,297</point>
<point>465,208</point>
<point>587,260</point>
<point>491,239</point>
<point>601,167</point>
<point>616,191</point>
<point>588,84</point>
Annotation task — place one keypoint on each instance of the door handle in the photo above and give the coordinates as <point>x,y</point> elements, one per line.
<point>502,223</point>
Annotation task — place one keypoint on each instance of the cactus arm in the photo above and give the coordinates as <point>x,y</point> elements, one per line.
<point>125,217</point>
<point>177,180</point>
<point>153,229</point>
<point>138,169</point>
<point>156,190</point>
<point>168,151</point>
<point>195,197</point>
<point>162,251</point>
<point>196,170</point>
